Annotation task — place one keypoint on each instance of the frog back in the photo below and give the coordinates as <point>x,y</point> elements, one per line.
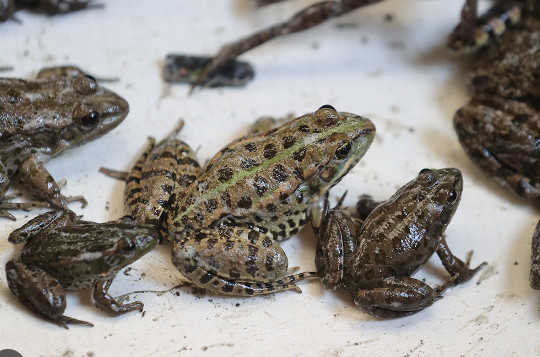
<point>262,179</point>
<point>81,254</point>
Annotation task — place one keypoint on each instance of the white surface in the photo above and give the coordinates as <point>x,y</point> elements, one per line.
<point>397,73</point>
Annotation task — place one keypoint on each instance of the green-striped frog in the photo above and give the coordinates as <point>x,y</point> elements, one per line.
<point>63,252</point>
<point>40,119</point>
<point>227,219</point>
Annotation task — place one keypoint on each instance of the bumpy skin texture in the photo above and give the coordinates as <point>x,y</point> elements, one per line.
<point>62,252</point>
<point>500,127</point>
<point>226,219</point>
<point>534,276</point>
<point>373,261</point>
<point>40,119</point>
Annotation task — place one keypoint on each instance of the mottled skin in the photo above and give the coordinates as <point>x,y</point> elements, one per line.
<point>40,119</point>
<point>226,220</point>
<point>306,18</point>
<point>500,127</point>
<point>534,276</point>
<point>48,7</point>
<point>374,261</point>
<point>62,252</point>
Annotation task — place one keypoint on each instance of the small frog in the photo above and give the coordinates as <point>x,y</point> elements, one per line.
<point>48,7</point>
<point>374,261</point>
<point>63,252</point>
<point>227,218</point>
<point>40,119</point>
<point>534,276</point>
<point>500,127</point>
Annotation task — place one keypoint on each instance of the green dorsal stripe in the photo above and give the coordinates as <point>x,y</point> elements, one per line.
<point>281,155</point>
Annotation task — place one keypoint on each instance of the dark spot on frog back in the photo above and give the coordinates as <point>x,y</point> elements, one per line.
<point>269,151</point>
<point>288,141</point>
<point>225,173</point>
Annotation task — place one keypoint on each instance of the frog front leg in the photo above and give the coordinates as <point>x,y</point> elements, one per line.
<point>109,304</point>
<point>235,261</point>
<point>455,266</point>
<point>37,179</point>
<point>397,297</point>
<point>40,292</point>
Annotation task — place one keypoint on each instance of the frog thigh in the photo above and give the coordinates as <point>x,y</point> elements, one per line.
<point>232,253</point>
<point>396,297</point>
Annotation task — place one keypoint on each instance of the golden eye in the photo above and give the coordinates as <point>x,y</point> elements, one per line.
<point>343,149</point>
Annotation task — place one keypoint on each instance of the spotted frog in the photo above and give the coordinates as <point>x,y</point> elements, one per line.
<point>227,218</point>
<point>40,119</point>
<point>63,252</point>
<point>373,261</point>
<point>500,127</point>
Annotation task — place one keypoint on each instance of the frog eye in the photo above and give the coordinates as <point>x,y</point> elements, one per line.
<point>343,149</point>
<point>327,106</point>
<point>423,170</point>
<point>85,85</point>
<point>452,197</point>
<point>90,120</point>
<point>129,247</point>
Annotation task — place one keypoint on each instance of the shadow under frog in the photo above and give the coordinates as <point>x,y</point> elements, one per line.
<point>40,119</point>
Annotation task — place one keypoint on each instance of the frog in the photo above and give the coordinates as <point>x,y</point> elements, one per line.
<point>42,118</point>
<point>534,276</point>
<point>499,128</point>
<point>63,252</point>
<point>48,7</point>
<point>226,219</point>
<point>373,257</point>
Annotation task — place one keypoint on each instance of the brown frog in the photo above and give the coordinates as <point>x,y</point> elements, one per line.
<point>374,261</point>
<point>40,119</point>
<point>500,127</point>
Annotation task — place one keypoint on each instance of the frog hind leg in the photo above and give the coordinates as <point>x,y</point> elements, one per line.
<point>211,281</point>
<point>302,20</point>
<point>158,177</point>
<point>40,292</point>
<point>109,304</point>
<point>468,122</point>
<point>396,297</point>
<point>455,266</point>
<point>234,261</point>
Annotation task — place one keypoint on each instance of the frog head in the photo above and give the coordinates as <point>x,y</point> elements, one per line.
<point>92,111</point>
<point>340,140</point>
